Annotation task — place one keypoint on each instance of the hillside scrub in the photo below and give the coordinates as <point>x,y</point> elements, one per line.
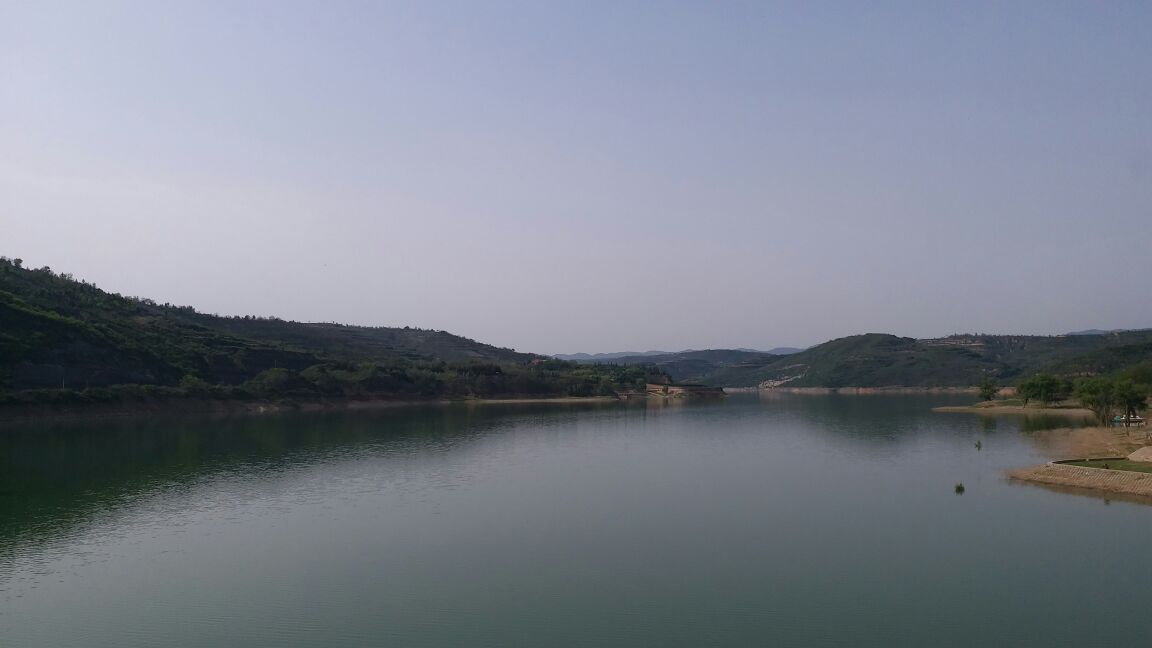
<point>64,340</point>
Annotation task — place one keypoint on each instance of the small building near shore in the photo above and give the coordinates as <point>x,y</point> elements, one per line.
<point>683,391</point>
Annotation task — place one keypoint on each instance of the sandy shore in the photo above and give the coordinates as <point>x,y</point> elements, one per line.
<point>1075,443</point>
<point>1085,443</point>
<point>855,391</point>
<point>996,410</point>
<point>1088,442</point>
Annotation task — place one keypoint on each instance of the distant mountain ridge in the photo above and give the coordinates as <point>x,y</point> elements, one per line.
<point>1102,331</point>
<point>598,357</point>
<point>57,333</point>
<point>882,360</point>
<point>601,357</point>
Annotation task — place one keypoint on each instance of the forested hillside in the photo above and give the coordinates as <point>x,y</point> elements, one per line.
<point>57,333</point>
<point>67,337</point>
<point>701,366</point>
<point>879,360</point>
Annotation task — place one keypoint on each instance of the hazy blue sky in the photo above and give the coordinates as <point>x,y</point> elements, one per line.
<point>591,176</point>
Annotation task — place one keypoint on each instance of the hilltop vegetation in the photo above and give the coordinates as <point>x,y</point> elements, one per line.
<point>63,339</point>
<point>880,360</point>
<point>701,366</point>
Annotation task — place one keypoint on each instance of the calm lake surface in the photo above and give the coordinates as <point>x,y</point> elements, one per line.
<point>791,520</point>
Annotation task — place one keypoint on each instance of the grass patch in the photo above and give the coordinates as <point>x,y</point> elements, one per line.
<point>1006,402</point>
<point>1115,464</point>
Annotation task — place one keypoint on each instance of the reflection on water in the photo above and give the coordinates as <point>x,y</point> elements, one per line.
<point>59,474</point>
<point>649,523</point>
<point>1039,422</point>
<point>988,424</point>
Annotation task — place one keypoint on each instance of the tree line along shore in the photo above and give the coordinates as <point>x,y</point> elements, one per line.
<point>1112,458</point>
<point>67,344</point>
<point>1121,398</point>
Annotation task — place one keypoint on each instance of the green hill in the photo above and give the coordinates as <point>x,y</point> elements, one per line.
<point>62,334</point>
<point>880,360</point>
<point>699,366</point>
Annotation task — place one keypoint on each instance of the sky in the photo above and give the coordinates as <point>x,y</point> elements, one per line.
<point>591,176</point>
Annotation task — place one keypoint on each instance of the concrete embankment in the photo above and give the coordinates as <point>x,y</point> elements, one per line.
<point>1098,479</point>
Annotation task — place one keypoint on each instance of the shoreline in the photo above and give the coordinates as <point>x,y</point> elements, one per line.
<point>1070,444</point>
<point>996,410</point>
<point>1087,481</point>
<point>525,401</point>
<point>852,391</point>
<point>212,407</point>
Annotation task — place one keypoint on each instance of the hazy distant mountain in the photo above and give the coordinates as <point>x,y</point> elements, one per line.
<point>600,357</point>
<point>700,366</point>
<point>1097,332</point>
<point>604,357</point>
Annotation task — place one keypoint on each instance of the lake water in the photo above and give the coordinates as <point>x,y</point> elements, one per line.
<point>784,521</point>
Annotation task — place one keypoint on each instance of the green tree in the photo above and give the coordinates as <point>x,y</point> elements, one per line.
<point>1098,395</point>
<point>1141,374</point>
<point>1043,387</point>
<point>1062,390</point>
<point>1130,397</point>
<point>1039,387</point>
<point>1026,390</point>
<point>195,385</point>
<point>988,388</point>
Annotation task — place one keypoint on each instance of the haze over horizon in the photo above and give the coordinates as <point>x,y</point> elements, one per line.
<point>565,178</point>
